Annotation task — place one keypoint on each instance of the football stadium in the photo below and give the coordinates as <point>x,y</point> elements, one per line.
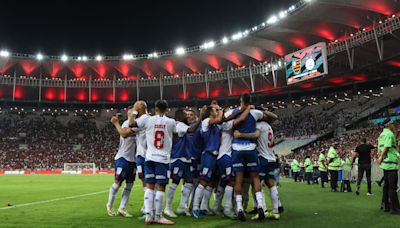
<point>292,121</point>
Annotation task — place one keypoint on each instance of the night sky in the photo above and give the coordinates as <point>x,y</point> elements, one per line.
<point>116,27</point>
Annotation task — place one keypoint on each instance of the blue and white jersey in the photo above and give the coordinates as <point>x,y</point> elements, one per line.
<point>179,147</point>
<point>226,137</point>
<point>195,143</point>
<point>127,146</point>
<point>247,126</point>
<point>211,135</point>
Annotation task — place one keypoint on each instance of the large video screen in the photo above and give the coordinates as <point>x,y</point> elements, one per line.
<point>307,63</point>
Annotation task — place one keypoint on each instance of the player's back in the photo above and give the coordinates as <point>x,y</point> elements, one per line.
<point>127,146</point>
<point>248,126</point>
<point>195,143</point>
<point>179,144</point>
<point>265,142</point>
<point>159,132</point>
<point>211,135</point>
<point>226,137</point>
<point>141,138</point>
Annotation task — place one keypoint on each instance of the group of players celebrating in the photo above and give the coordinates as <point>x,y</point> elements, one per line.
<point>221,151</point>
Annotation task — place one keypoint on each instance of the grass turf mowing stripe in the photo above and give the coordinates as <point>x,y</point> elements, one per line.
<point>53,200</point>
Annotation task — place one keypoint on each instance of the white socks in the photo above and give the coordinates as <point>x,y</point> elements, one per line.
<point>111,195</point>
<point>198,196</point>
<point>255,203</point>
<point>273,194</point>
<point>125,195</point>
<point>159,203</point>
<point>228,198</point>
<point>239,203</point>
<point>206,199</point>
<point>171,193</point>
<point>260,200</point>
<point>148,201</point>
<point>186,190</point>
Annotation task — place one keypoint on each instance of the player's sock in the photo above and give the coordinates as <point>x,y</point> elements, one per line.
<point>279,203</point>
<point>245,193</point>
<point>159,203</point>
<point>186,190</point>
<point>153,212</point>
<point>255,203</point>
<point>143,210</point>
<point>239,203</point>
<point>191,196</point>
<point>171,193</point>
<point>228,197</point>
<point>198,196</point>
<point>264,205</point>
<point>148,201</point>
<point>260,199</point>
<point>111,195</point>
<point>206,199</point>
<point>218,198</point>
<point>125,195</point>
<point>273,194</point>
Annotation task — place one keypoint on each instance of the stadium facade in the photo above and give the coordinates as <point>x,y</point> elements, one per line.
<point>362,46</point>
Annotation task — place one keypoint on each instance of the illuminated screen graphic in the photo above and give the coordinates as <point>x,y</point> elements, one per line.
<point>307,63</point>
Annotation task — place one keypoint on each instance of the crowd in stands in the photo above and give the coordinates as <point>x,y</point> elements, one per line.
<point>344,144</point>
<point>47,142</point>
<point>37,141</point>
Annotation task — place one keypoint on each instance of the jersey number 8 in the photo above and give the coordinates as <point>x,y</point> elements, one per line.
<point>159,140</point>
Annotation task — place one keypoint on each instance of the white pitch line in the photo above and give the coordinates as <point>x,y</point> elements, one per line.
<point>53,200</point>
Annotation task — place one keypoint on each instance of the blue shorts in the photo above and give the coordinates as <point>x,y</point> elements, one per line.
<point>196,166</point>
<point>245,161</point>
<point>181,170</point>
<point>156,173</point>
<point>140,166</point>
<point>224,165</point>
<point>266,169</point>
<point>124,170</point>
<point>208,166</point>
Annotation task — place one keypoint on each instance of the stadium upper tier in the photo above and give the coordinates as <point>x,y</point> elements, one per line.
<point>362,39</point>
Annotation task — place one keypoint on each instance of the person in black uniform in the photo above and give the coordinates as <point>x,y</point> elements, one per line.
<point>363,152</point>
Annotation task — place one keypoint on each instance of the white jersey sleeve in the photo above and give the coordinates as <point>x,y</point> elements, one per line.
<point>141,136</point>
<point>227,126</point>
<point>257,114</point>
<point>141,121</point>
<point>181,128</point>
<point>205,125</point>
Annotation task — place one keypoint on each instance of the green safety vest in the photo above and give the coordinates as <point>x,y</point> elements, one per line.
<point>309,165</point>
<point>347,164</point>
<point>321,165</point>
<point>335,163</point>
<point>388,139</point>
<point>295,166</point>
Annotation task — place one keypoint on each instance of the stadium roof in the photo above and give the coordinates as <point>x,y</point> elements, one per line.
<point>299,26</point>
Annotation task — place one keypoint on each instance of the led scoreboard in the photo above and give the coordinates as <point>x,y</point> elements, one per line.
<point>307,63</point>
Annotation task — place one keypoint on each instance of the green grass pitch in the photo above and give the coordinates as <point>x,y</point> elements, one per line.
<point>69,202</point>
